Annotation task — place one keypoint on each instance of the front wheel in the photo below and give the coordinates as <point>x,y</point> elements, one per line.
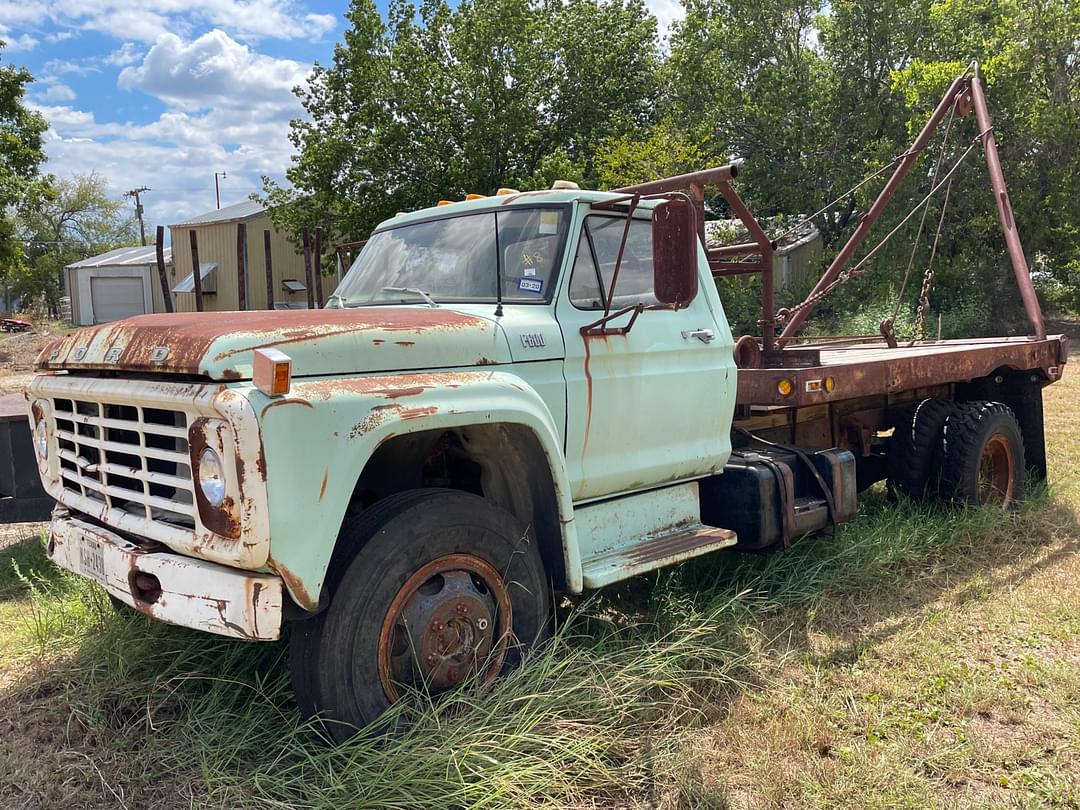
<point>444,588</point>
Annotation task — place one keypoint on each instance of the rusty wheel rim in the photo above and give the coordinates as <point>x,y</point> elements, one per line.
<point>996,472</point>
<point>451,618</point>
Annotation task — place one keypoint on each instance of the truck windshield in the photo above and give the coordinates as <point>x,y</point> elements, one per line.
<point>460,259</point>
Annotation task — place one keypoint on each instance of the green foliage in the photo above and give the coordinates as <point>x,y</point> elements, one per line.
<point>434,102</point>
<point>67,220</point>
<point>21,154</point>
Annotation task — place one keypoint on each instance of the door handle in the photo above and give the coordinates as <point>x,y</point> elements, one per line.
<point>704,335</point>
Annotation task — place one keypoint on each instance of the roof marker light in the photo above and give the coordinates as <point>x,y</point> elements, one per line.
<point>475,196</point>
<point>505,192</point>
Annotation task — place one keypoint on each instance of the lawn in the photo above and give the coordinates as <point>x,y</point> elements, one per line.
<point>918,658</point>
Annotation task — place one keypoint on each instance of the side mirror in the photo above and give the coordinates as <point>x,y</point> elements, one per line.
<point>675,271</point>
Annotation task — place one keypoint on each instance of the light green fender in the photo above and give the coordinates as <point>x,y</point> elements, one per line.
<point>317,439</point>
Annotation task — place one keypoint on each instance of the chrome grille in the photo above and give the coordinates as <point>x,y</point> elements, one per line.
<point>129,457</point>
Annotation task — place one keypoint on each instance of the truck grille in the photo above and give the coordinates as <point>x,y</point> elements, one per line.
<point>129,457</point>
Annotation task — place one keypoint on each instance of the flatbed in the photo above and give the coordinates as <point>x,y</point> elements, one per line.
<point>866,369</point>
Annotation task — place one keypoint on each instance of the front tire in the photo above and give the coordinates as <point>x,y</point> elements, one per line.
<point>443,588</point>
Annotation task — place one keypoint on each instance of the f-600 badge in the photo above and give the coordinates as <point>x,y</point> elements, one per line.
<point>532,340</point>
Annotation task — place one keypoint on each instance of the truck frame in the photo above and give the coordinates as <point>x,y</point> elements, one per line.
<point>404,480</point>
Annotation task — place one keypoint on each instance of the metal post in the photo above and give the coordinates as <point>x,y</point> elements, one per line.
<point>765,246</point>
<point>197,274</point>
<point>241,266</point>
<point>871,216</point>
<point>269,270</point>
<point>159,243</point>
<point>307,270</point>
<point>318,266</point>
<point>1005,212</point>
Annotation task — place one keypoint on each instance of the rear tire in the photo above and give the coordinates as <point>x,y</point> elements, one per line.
<point>983,459</point>
<point>914,453</point>
<point>443,587</point>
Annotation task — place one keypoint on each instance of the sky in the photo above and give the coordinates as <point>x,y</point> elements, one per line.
<point>164,93</point>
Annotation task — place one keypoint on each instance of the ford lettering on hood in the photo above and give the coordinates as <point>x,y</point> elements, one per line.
<point>219,345</point>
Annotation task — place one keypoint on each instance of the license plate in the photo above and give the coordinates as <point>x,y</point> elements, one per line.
<point>92,560</point>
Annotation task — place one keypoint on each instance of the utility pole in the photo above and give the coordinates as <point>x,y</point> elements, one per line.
<point>217,187</point>
<point>135,192</point>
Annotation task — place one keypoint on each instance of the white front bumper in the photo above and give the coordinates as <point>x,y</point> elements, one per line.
<point>193,593</point>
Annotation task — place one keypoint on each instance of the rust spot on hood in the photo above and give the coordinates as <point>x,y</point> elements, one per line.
<point>191,336</point>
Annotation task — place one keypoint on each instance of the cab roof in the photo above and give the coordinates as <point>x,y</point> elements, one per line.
<point>496,202</point>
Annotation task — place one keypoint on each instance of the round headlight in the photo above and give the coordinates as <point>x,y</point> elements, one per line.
<point>41,438</point>
<point>212,477</point>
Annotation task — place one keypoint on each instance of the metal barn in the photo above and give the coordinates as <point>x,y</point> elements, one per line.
<point>115,285</point>
<point>218,249</point>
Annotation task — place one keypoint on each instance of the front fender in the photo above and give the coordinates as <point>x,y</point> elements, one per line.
<point>318,438</point>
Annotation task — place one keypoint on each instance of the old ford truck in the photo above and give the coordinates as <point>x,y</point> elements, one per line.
<point>508,397</point>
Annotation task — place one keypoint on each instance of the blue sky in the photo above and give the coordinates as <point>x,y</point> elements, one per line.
<point>163,93</point>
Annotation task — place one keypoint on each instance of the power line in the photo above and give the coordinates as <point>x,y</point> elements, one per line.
<point>135,192</point>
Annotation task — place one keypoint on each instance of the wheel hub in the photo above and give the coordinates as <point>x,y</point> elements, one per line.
<point>448,621</point>
<point>996,472</point>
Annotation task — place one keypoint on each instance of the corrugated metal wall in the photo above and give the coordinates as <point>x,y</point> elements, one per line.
<point>217,243</point>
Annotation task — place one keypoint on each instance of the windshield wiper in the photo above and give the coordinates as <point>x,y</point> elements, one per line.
<point>415,291</point>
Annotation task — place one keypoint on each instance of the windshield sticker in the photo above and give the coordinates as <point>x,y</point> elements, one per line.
<point>529,271</point>
<point>533,285</point>
<point>549,222</point>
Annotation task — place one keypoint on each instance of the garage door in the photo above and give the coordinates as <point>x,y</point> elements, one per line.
<point>116,297</point>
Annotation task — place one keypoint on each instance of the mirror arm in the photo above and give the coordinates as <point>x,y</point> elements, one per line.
<point>600,327</point>
<point>618,259</point>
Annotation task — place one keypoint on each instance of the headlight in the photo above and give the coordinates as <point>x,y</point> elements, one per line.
<point>41,439</point>
<point>212,477</point>
<point>41,436</point>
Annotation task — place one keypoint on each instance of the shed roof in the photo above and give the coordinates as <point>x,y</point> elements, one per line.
<point>124,256</point>
<point>230,213</point>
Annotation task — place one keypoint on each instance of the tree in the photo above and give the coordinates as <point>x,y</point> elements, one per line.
<point>437,102</point>
<point>70,219</point>
<point>21,154</point>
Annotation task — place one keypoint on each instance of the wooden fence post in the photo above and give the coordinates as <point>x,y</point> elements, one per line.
<point>241,266</point>
<point>318,266</point>
<point>159,243</point>
<point>196,270</point>
<point>307,270</point>
<point>269,271</point>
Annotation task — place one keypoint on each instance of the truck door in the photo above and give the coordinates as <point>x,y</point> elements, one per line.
<point>651,406</point>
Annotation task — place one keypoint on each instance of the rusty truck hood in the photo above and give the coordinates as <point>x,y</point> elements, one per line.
<point>219,345</point>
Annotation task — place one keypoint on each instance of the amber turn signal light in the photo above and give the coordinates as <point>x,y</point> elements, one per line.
<point>785,387</point>
<point>272,372</point>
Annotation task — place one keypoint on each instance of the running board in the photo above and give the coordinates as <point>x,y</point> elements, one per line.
<point>689,541</point>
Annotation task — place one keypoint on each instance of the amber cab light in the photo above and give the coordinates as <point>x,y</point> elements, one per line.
<point>272,372</point>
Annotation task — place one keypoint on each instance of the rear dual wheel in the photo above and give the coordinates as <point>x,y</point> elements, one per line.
<point>442,588</point>
<point>972,452</point>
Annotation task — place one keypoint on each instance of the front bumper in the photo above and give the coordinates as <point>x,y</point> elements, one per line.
<point>170,587</point>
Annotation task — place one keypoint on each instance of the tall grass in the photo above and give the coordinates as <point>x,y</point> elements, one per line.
<point>600,715</point>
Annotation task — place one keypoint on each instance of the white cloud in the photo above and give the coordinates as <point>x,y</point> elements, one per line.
<point>60,36</point>
<point>229,109</point>
<point>126,54</point>
<point>23,42</point>
<point>55,90</point>
<point>57,67</point>
<point>213,70</point>
<point>667,12</point>
<point>146,20</point>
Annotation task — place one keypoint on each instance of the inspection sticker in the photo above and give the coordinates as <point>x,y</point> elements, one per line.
<point>533,285</point>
